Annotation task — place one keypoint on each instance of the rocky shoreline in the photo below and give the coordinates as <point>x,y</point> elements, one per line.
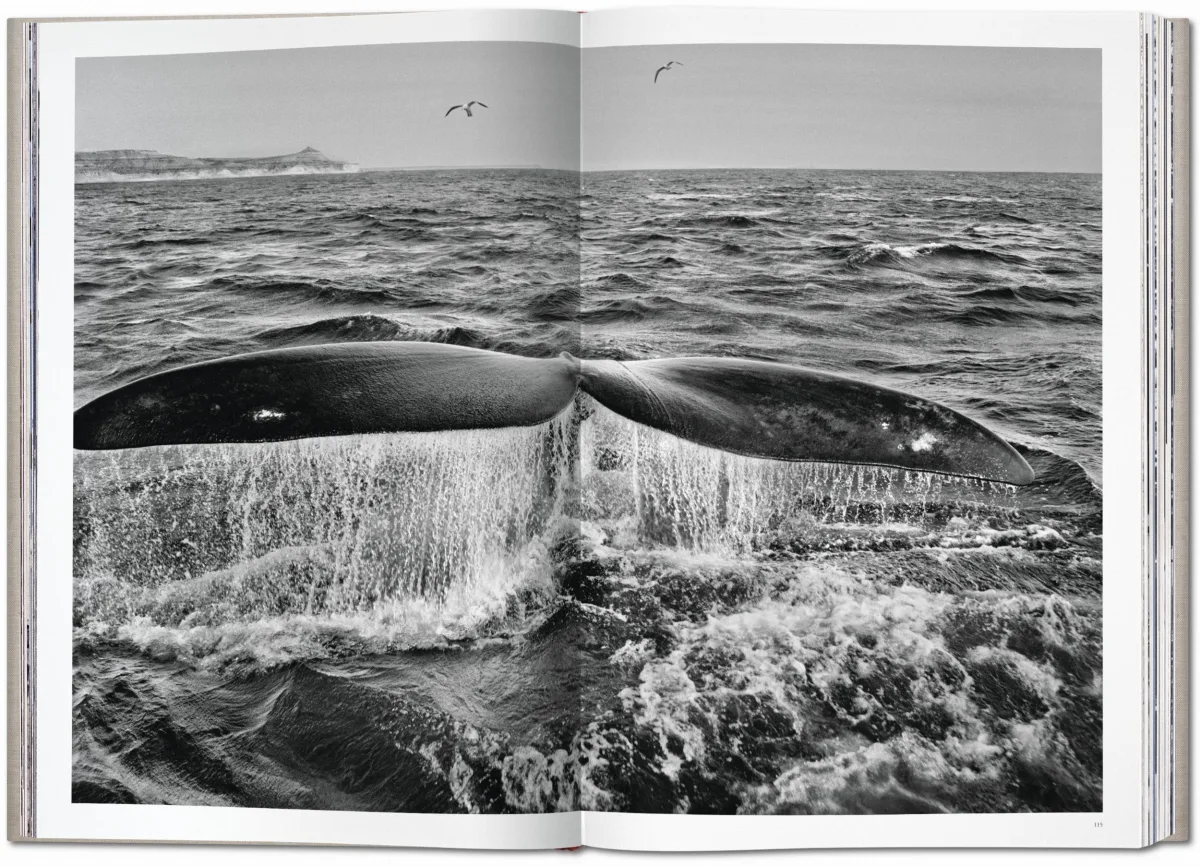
<point>116,166</point>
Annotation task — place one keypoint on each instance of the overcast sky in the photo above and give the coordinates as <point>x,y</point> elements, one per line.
<point>377,105</point>
<point>775,105</point>
<point>842,106</point>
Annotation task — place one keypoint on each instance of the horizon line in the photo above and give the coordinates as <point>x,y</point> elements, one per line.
<point>534,166</point>
<point>365,168</point>
<point>843,168</point>
<point>731,168</point>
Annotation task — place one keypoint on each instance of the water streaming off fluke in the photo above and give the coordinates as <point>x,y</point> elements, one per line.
<point>682,495</point>
<point>201,535</point>
<point>316,526</point>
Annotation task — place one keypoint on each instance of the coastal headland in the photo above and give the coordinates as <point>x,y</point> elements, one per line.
<point>114,166</point>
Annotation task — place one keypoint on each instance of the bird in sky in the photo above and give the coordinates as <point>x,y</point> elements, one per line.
<point>466,106</point>
<point>661,69</point>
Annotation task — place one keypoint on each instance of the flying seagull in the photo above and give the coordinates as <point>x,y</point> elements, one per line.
<point>466,107</point>
<point>668,66</point>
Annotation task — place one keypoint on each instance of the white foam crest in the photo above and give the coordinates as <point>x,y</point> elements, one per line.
<point>534,782</point>
<point>663,702</point>
<point>592,765</point>
<point>879,656</point>
<point>224,627</point>
<point>785,647</point>
<point>906,773</point>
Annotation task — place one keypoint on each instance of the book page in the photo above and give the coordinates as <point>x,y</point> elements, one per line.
<point>903,638</point>
<point>308,595</point>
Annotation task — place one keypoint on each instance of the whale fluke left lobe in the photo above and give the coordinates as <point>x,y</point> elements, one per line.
<point>329,390</point>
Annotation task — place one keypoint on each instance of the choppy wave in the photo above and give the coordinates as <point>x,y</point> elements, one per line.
<point>882,253</point>
<point>835,693</point>
<point>368,327</point>
<point>591,614</point>
<point>759,629</point>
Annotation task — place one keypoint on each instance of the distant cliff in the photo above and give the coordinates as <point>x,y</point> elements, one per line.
<point>107,166</point>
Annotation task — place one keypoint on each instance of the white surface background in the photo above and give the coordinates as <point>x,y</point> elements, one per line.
<point>103,854</point>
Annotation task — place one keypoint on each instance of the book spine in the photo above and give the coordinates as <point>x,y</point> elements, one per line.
<point>22,278</point>
<point>1166,240</point>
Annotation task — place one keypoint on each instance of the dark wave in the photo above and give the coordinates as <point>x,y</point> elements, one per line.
<point>630,309</point>
<point>556,306</point>
<point>88,288</point>
<point>300,289</point>
<point>880,254</point>
<point>542,342</point>
<point>1035,294</point>
<point>145,243</point>
<point>763,278</point>
<point>381,751</point>
<point>984,314</point>
<point>493,252</point>
<point>470,271</point>
<point>737,221</point>
<point>341,329</point>
<point>991,314</point>
<point>620,280</point>
<point>1061,480</point>
<point>649,237</point>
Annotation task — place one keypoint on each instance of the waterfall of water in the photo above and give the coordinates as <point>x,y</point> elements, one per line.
<point>322,525</point>
<point>690,496</point>
<point>345,524</point>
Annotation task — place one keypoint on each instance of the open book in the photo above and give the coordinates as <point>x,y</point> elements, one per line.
<point>661,429</point>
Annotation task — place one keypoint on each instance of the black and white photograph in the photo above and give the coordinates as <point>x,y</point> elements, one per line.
<point>505,427</point>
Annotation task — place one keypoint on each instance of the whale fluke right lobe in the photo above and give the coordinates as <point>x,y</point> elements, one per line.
<point>783,412</point>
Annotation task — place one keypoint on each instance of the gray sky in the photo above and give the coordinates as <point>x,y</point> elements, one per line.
<point>775,105</point>
<point>378,105</point>
<point>842,106</point>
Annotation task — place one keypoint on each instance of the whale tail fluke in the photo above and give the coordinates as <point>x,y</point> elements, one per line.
<point>330,390</point>
<point>755,408</point>
<point>782,412</point>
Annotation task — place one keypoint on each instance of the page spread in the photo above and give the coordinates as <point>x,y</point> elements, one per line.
<point>654,429</point>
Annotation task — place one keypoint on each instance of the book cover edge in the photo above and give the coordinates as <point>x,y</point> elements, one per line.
<point>17,78</point>
<point>17,214</point>
<point>1181,267</point>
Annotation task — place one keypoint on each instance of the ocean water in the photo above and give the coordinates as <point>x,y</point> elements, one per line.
<point>591,614</point>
